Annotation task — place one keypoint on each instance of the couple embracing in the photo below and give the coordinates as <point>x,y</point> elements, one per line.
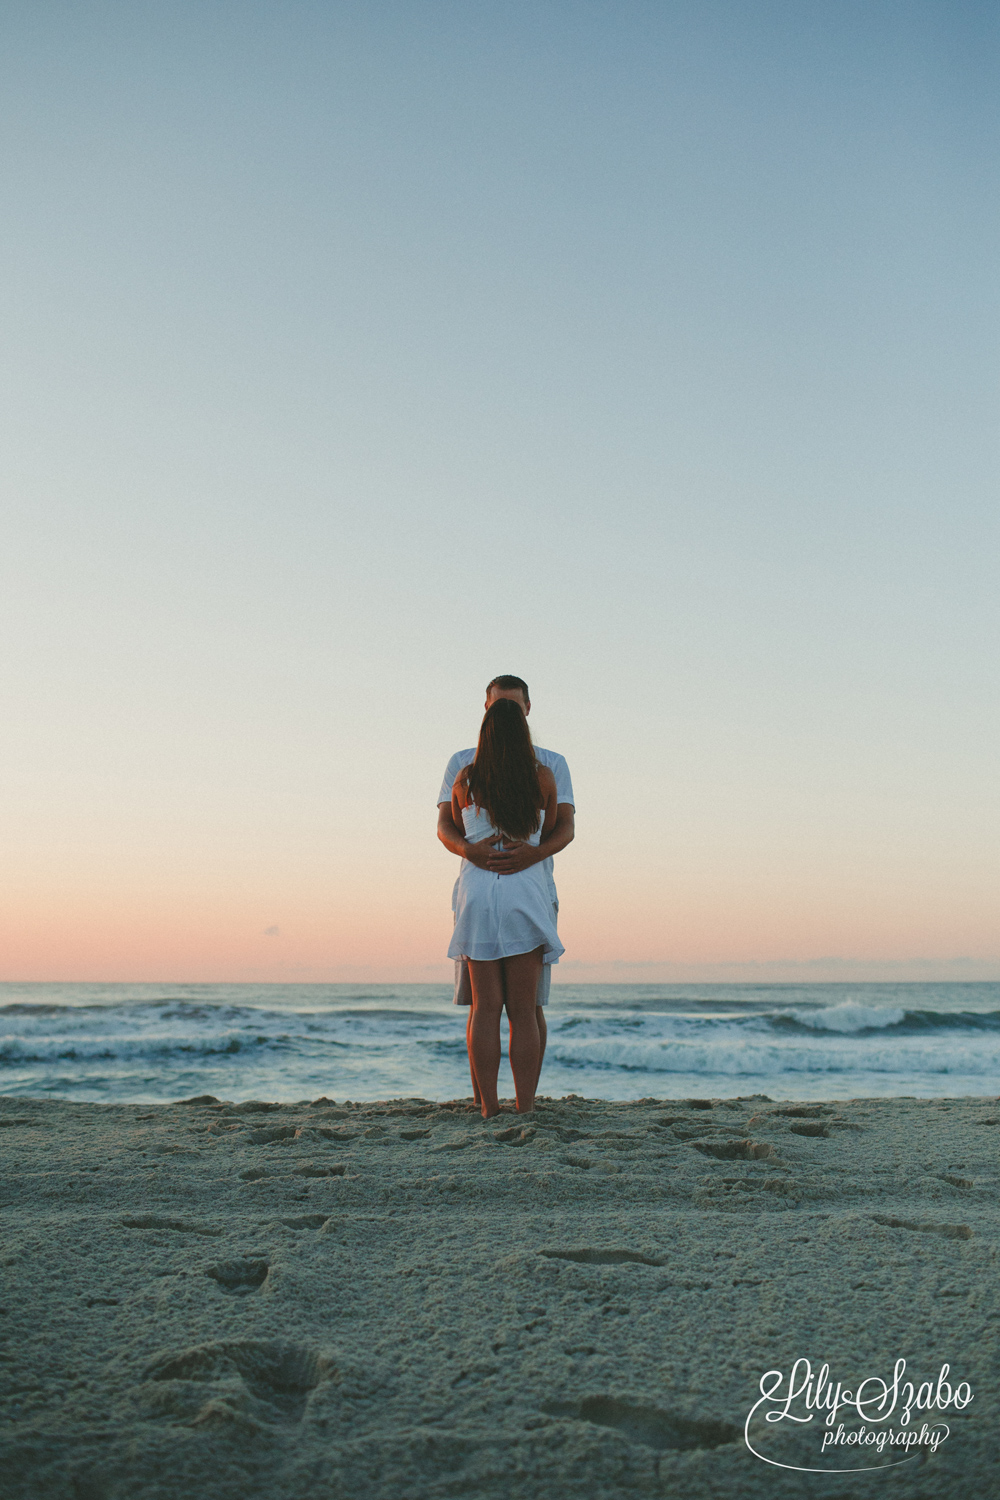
<point>505,807</point>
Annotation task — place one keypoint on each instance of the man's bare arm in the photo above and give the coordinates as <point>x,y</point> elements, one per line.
<point>454,839</point>
<point>523,856</point>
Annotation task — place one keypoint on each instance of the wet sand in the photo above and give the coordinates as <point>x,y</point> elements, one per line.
<point>401,1301</point>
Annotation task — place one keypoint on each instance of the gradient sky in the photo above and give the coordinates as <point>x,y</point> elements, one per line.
<point>353,354</point>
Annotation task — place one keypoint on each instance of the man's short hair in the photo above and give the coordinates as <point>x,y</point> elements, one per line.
<point>508,684</point>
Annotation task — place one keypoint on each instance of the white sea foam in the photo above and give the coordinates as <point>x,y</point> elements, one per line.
<point>734,1056</point>
<point>292,1042</point>
<point>849,1016</point>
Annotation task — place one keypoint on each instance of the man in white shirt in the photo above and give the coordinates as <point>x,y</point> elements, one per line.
<point>506,862</point>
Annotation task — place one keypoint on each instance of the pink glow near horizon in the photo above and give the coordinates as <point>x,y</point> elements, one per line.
<point>653,359</point>
<point>343,933</point>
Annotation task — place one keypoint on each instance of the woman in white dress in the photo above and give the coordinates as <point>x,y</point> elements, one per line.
<point>504,924</point>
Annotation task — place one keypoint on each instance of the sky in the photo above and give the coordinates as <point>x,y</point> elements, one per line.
<point>354,354</point>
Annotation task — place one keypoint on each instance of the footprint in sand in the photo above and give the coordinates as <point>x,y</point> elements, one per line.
<point>325,1133</point>
<point>593,1256</point>
<point>257,1383</point>
<point>239,1276</point>
<point>460,1144</point>
<point>268,1134</point>
<point>157,1221</point>
<point>647,1425</point>
<point>515,1136</point>
<point>735,1150</point>
<point>949,1231</point>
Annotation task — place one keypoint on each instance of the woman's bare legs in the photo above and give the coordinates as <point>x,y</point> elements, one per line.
<point>520,973</point>
<point>543,1032</point>
<point>512,982</point>
<point>484,1031</point>
<point>472,1066</point>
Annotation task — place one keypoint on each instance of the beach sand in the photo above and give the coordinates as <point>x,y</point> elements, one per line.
<point>402,1301</point>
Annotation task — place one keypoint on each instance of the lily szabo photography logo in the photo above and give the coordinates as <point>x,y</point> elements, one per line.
<point>876,1424</point>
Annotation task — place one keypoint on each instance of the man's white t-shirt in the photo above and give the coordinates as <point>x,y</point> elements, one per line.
<point>556,764</point>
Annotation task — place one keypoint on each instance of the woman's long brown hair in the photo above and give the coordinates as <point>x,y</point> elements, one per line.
<point>503,778</point>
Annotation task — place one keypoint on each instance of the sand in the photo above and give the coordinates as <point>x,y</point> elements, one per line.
<point>399,1300</point>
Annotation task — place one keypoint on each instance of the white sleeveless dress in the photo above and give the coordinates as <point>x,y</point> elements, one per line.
<point>497,916</point>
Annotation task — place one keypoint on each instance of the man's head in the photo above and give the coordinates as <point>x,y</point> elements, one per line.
<point>509,687</point>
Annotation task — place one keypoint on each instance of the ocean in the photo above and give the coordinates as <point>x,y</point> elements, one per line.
<point>151,1043</point>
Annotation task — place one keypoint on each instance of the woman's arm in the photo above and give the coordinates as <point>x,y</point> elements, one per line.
<point>458,801</point>
<point>453,838</point>
<point>451,828</point>
<point>548,785</point>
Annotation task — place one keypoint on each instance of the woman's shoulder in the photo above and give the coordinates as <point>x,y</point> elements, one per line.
<point>546,778</point>
<point>460,786</point>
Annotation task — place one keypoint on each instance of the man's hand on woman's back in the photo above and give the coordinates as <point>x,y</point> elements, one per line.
<point>454,840</point>
<point>515,857</point>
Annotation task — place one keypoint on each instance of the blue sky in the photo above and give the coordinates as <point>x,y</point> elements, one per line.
<point>355,354</point>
